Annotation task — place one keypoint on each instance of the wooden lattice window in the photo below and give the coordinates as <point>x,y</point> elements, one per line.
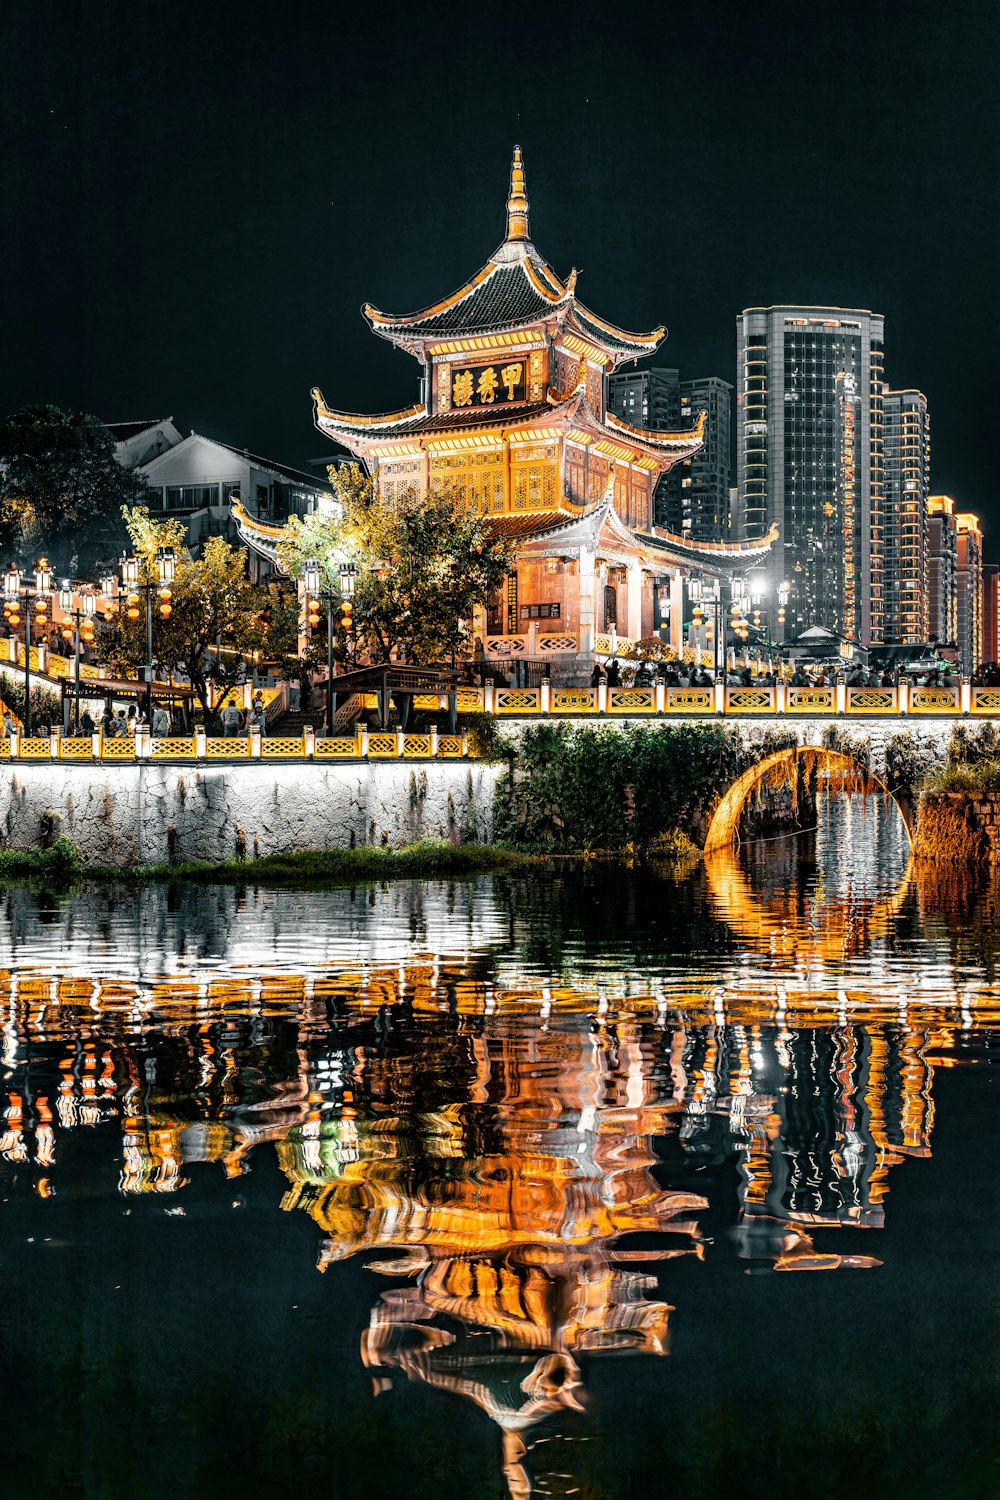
<point>534,480</point>
<point>511,604</point>
<point>610,606</point>
<point>597,480</point>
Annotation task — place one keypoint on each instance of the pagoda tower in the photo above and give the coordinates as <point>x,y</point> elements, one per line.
<point>513,423</point>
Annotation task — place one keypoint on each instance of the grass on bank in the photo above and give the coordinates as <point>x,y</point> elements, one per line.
<point>965,776</point>
<point>427,860</point>
<point>59,865</point>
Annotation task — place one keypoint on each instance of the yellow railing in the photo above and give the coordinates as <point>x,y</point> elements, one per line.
<point>805,700</point>
<point>574,700</point>
<point>179,747</point>
<point>283,747</point>
<point>690,700</point>
<point>861,700</point>
<point>631,700</point>
<point>986,700</point>
<point>382,746</point>
<point>750,700</point>
<point>78,748</point>
<point>934,700</point>
<point>339,747</point>
<point>517,700</point>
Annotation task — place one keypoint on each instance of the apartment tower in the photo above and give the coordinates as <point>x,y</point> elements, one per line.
<point>942,570</point>
<point>809,458</point>
<point>969,591</point>
<point>907,449</point>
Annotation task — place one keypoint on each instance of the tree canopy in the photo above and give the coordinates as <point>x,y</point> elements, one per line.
<point>62,489</point>
<point>422,568</point>
<point>213,605</point>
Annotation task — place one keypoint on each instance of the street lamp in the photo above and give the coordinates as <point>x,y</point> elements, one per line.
<point>84,611</point>
<point>784,593</point>
<point>312,578</point>
<point>16,586</point>
<point>706,594</point>
<point>130,570</point>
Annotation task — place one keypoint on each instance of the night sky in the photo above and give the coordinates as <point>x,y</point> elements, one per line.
<point>195,200</point>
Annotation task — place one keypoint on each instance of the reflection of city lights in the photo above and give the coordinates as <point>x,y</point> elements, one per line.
<point>488,1135</point>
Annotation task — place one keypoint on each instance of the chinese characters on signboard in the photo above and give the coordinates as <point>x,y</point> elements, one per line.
<point>489,385</point>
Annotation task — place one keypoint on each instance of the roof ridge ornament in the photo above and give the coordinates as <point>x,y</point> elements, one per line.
<point>517,202</point>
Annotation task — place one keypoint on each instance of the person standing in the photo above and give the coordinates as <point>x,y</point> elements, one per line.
<point>232,720</point>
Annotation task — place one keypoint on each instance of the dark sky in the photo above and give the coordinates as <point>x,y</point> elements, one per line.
<point>195,200</point>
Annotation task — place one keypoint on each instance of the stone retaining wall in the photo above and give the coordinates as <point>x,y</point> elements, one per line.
<point>148,813</point>
<point>958,826</point>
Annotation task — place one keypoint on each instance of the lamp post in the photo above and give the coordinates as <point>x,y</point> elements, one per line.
<point>757,592</point>
<point>784,593</point>
<point>312,577</point>
<point>16,586</point>
<point>84,611</point>
<point>706,593</point>
<point>166,562</point>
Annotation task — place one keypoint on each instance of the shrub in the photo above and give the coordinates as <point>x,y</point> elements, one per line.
<point>608,788</point>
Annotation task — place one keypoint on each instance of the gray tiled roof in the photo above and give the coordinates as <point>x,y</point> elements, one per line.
<point>504,299</point>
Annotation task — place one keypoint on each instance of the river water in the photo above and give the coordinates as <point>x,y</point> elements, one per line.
<point>585,1181</point>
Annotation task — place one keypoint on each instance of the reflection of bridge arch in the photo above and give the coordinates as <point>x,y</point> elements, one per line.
<point>782,769</point>
<point>826,938</point>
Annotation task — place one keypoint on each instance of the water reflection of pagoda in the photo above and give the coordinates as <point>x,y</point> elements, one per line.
<point>505,1200</point>
<point>816,1117</point>
<point>495,1153</point>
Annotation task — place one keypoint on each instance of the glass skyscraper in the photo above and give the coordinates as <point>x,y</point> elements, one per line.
<point>809,457</point>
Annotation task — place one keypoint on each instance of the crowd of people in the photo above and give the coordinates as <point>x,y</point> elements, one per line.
<point>797,674</point>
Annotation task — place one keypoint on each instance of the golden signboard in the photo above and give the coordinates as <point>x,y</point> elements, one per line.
<point>497,384</point>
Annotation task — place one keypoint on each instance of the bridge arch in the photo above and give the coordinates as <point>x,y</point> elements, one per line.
<point>781,769</point>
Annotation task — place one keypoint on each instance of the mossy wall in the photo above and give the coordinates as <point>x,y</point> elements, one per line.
<point>958,827</point>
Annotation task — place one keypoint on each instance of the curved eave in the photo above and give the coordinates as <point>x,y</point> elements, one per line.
<point>262,538</point>
<point>355,427</point>
<point>724,557</point>
<point>676,443</point>
<point>392,323</point>
<point>621,343</point>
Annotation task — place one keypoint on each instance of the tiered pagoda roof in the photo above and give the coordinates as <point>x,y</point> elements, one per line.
<point>516,288</point>
<point>567,411</point>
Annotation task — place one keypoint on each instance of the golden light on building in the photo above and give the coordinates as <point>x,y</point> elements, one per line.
<point>513,425</point>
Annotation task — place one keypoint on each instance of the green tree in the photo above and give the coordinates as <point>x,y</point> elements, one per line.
<point>422,566</point>
<point>62,489</point>
<point>218,619</point>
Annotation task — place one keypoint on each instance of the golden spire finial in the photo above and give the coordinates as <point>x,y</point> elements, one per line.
<point>517,203</point>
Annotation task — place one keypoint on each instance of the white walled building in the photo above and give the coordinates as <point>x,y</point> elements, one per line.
<point>195,478</point>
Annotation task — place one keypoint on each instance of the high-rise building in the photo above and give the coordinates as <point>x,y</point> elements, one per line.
<point>649,399</point>
<point>942,570</point>
<point>991,612</point>
<point>969,591</point>
<point>697,492</point>
<point>693,500</point>
<point>809,458</point>
<point>907,450</point>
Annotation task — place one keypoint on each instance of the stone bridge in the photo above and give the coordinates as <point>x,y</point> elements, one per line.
<point>892,755</point>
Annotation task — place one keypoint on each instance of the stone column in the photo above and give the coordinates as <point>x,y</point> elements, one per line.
<point>677,613</point>
<point>634,607</point>
<point>588,618</point>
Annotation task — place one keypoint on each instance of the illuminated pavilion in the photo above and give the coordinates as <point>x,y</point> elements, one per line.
<point>513,423</point>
